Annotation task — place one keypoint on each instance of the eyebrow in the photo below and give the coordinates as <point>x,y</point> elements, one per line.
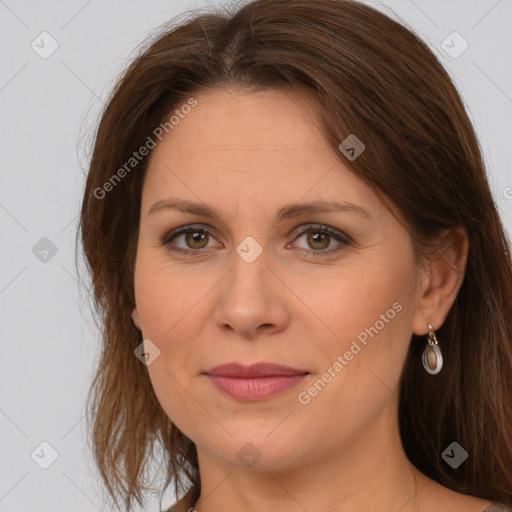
<point>285,212</point>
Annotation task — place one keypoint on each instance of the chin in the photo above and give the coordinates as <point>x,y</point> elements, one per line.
<point>258,449</point>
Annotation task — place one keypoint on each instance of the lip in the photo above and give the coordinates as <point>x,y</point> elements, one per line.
<point>255,370</point>
<point>255,382</point>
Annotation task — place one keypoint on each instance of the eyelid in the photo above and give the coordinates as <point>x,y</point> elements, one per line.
<point>185,229</point>
<point>305,228</point>
<point>341,237</point>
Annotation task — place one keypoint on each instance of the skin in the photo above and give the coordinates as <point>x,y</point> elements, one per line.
<point>248,154</point>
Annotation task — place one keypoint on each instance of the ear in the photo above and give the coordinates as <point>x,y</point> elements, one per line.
<point>441,280</point>
<point>136,317</point>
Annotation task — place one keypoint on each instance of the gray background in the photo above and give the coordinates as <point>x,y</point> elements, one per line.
<point>48,106</point>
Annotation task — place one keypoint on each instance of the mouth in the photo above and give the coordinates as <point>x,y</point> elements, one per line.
<point>255,382</point>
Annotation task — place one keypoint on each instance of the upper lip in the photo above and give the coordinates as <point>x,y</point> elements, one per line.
<point>263,369</point>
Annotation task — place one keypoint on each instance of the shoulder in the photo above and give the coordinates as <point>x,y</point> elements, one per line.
<point>185,505</point>
<point>437,497</point>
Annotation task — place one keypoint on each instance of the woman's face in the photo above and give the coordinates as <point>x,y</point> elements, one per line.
<point>330,293</point>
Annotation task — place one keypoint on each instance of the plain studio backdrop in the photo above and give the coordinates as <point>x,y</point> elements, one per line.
<point>58,63</point>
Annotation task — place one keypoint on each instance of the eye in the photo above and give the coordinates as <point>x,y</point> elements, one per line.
<point>196,238</point>
<point>319,238</point>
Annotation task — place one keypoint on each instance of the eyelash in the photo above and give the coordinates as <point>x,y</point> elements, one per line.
<point>338,236</point>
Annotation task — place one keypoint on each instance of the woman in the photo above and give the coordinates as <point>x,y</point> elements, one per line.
<point>304,283</point>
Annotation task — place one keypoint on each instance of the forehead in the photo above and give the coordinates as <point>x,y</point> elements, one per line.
<point>228,123</point>
<point>250,145</point>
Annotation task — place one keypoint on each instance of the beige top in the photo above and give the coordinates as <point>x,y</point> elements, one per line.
<point>182,506</point>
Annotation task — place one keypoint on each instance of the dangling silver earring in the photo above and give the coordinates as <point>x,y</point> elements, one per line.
<point>432,358</point>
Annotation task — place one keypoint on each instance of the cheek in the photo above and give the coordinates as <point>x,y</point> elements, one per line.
<point>359,300</point>
<point>370,318</point>
<point>165,301</point>
<point>369,313</point>
<point>164,296</point>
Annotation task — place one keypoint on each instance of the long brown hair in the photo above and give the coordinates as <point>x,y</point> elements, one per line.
<point>369,76</point>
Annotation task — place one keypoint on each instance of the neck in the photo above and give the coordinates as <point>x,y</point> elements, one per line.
<point>370,472</point>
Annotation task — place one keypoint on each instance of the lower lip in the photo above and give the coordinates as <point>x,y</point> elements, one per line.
<point>256,389</point>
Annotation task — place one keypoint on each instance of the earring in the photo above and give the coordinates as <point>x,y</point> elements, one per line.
<point>432,358</point>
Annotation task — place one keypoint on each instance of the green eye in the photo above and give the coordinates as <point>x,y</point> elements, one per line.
<point>318,240</point>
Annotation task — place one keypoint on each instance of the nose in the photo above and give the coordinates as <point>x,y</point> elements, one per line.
<point>252,299</point>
